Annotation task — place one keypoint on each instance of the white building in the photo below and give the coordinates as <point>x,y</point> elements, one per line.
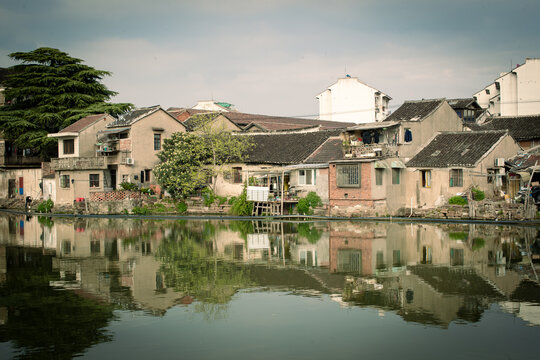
<point>350,100</point>
<point>513,93</point>
<point>212,105</point>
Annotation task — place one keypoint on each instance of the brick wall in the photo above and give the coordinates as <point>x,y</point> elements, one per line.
<point>351,197</point>
<point>116,195</point>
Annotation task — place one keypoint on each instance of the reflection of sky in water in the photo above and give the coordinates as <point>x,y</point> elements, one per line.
<point>251,289</point>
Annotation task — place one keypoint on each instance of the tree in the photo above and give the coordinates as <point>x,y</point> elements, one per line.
<point>188,160</point>
<point>181,168</point>
<point>223,146</point>
<point>47,92</point>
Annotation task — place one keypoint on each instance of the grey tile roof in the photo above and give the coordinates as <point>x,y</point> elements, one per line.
<point>456,149</point>
<point>415,110</point>
<point>521,128</point>
<point>463,103</point>
<point>133,116</point>
<point>286,148</point>
<point>330,150</point>
<point>281,123</point>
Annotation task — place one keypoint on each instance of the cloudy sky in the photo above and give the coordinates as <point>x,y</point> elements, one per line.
<point>274,56</point>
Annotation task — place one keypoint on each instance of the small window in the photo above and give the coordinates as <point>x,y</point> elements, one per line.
<point>237,175</point>
<point>147,175</point>
<point>306,177</point>
<point>69,146</point>
<point>348,176</point>
<point>426,178</point>
<point>396,176</point>
<point>157,141</point>
<point>379,176</point>
<point>123,135</point>
<point>456,177</point>
<point>64,181</point>
<point>125,178</point>
<point>408,135</point>
<point>94,180</point>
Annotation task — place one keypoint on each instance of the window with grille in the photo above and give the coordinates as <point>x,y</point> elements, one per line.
<point>94,180</point>
<point>64,181</point>
<point>348,175</point>
<point>456,177</point>
<point>157,141</point>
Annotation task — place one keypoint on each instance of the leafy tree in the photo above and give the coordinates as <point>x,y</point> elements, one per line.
<point>181,168</point>
<point>223,146</point>
<point>47,92</point>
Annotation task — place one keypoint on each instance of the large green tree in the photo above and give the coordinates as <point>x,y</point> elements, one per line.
<point>49,90</point>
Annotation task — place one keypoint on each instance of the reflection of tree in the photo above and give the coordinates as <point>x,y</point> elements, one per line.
<point>47,323</point>
<point>189,267</point>
<point>310,232</point>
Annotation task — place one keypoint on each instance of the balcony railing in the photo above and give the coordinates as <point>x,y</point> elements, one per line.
<point>79,163</point>
<point>370,151</point>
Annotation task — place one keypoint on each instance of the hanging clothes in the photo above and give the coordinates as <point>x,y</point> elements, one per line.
<point>408,135</point>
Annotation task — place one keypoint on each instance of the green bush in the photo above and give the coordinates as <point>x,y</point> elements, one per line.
<point>208,196</point>
<point>181,207</point>
<point>241,206</point>
<point>137,210</point>
<point>307,204</point>
<point>45,206</point>
<point>221,200</point>
<point>478,194</point>
<point>457,200</point>
<point>129,186</point>
<point>232,200</point>
<point>458,235</point>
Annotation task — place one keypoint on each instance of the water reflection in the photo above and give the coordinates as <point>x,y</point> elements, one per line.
<point>60,273</point>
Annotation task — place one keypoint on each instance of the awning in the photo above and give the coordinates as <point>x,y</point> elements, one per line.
<point>113,130</point>
<point>397,164</point>
<point>381,165</point>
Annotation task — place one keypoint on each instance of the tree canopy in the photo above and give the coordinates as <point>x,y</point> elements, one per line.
<point>49,91</point>
<point>188,160</point>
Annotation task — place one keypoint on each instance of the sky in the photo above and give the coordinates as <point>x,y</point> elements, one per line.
<point>274,57</point>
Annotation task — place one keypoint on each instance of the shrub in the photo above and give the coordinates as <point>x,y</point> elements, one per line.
<point>478,194</point>
<point>221,200</point>
<point>241,206</point>
<point>232,200</point>
<point>307,204</point>
<point>208,196</point>
<point>137,210</point>
<point>457,200</point>
<point>45,206</point>
<point>181,207</point>
<point>458,235</point>
<point>129,186</point>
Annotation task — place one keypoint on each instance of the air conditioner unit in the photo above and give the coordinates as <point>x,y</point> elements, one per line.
<point>499,162</point>
<point>130,161</point>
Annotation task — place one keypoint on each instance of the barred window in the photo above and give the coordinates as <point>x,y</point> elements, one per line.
<point>94,180</point>
<point>64,181</point>
<point>456,177</point>
<point>348,175</point>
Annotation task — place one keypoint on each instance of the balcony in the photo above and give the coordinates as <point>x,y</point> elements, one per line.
<point>360,150</point>
<point>79,163</point>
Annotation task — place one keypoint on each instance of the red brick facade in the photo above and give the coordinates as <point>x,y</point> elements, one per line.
<point>344,240</point>
<point>351,196</point>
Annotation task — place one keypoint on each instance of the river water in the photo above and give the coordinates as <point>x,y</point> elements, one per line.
<point>102,288</point>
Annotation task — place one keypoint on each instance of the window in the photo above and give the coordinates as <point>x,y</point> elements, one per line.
<point>69,146</point>
<point>237,175</point>
<point>157,141</point>
<point>456,177</point>
<point>426,178</point>
<point>64,181</point>
<point>395,176</point>
<point>306,177</point>
<point>125,178</point>
<point>348,175</point>
<point>408,135</point>
<point>94,180</point>
<point>379,176</point>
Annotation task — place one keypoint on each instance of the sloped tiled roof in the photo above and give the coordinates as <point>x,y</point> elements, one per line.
<point>133,116</point>
<point>461,149</point>
<point>415,110</point>
<point>463,103</point>
<point>182,114</point>
<point>281,123</point>
<point>286,148</point>
<point>521,128</point>
<point>83,123</point>
<point>330,150</point>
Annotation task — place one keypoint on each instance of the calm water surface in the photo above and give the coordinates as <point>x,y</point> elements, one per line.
<point>104,288</point>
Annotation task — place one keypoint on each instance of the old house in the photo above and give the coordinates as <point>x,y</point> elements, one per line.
<point>453,162</point>
<point>524,129</point>
<point>371,178</point>
<point>98,152</point>
<point>350,100</point>
<point>467,109</point>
